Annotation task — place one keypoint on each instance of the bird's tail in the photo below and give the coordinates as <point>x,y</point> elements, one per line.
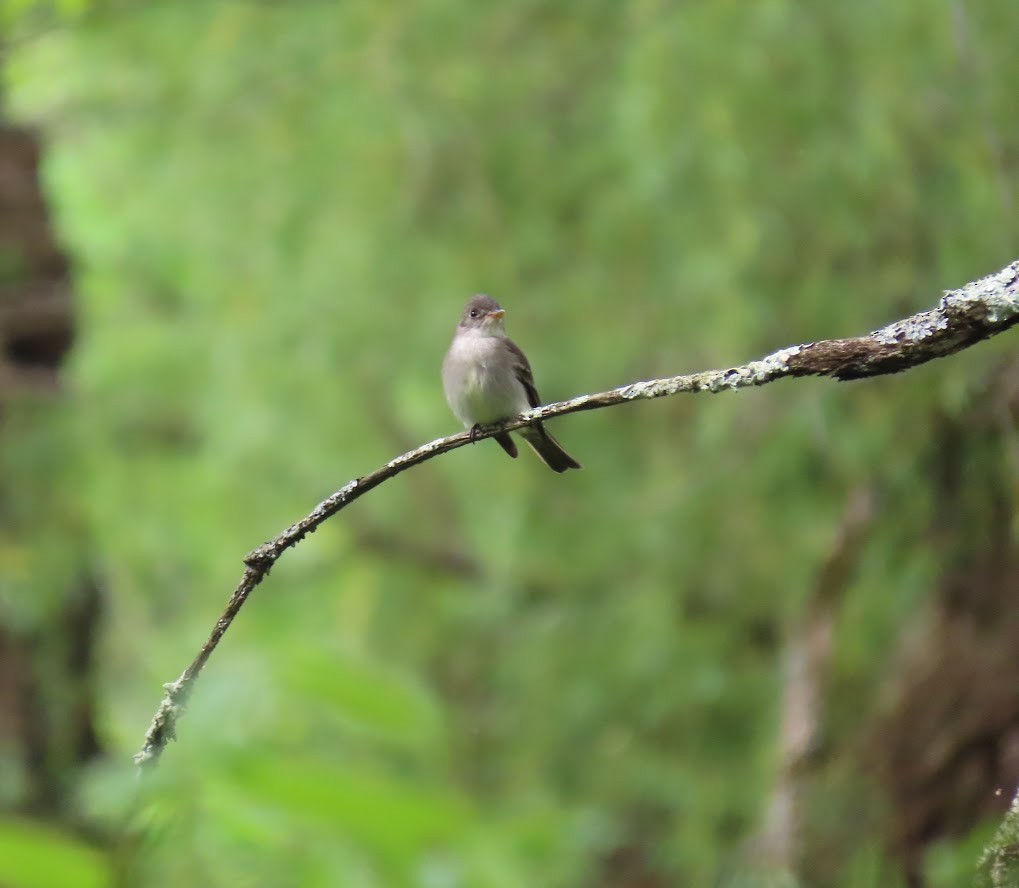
<point>548,449</point>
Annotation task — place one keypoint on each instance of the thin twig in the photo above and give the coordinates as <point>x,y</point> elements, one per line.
<point>973,313</point>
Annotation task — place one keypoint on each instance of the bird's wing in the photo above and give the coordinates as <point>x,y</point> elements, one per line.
<point>522,371</point>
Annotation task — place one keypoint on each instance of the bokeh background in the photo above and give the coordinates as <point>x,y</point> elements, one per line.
<point>764,638</point>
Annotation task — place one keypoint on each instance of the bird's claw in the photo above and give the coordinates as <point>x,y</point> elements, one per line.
<point>475,432</point>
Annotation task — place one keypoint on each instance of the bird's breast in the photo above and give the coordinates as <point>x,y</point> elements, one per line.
<point>480,386</point>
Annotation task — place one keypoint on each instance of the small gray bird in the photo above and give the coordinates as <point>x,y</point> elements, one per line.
<point>487,378</point>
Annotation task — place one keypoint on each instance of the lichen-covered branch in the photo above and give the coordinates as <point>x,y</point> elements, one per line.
<point>999,864</point>
<point>965,316</point>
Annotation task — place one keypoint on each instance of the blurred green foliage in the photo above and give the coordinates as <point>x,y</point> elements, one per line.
<point>36,857</point>
<point>481,674</point>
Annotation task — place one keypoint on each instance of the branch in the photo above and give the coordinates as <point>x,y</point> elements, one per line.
<point>807,660</point>
<point>971,314</point>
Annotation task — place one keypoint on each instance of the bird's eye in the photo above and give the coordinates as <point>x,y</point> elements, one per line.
<point>474,312</point>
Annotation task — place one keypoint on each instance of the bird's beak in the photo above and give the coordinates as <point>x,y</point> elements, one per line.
<point>497,315</point>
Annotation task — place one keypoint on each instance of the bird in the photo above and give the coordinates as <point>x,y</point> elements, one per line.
<point>487,378</point>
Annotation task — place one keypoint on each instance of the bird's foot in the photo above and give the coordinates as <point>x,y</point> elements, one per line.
<point>475,432</point>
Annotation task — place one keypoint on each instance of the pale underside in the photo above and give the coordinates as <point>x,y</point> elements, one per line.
<point>480,380</point>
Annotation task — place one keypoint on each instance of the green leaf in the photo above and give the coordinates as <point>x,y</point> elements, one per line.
<point>368,696</point>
